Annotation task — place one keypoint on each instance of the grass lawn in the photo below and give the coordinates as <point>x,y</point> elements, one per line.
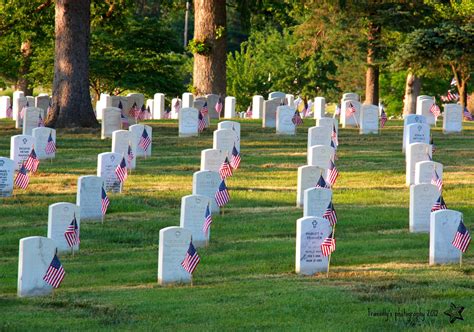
<point>379,280</point>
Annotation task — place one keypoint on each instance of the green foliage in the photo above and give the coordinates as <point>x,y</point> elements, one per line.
<point>201,47</point>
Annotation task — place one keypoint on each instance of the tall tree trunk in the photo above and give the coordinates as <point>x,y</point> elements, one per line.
<point>372,74</point>
<point>209,72</point>
<point>462,90</point>
<point>412,91</point>
<point>23,84</point>
<point>71,96</point>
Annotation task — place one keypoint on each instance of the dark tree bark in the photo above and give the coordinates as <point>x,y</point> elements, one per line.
<point>461,77</point>
<point>412,91</point>
<point>23,84</point>
<point>72,105</point>
<point>372,74</point>
<point>209,74</point>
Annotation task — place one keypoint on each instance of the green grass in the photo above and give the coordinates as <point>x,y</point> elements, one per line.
<point>246,278</point>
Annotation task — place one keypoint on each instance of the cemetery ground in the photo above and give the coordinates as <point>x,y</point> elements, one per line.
<point>246,277</point>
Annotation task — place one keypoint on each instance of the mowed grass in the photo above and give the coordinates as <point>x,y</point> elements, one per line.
<point>246,278</point>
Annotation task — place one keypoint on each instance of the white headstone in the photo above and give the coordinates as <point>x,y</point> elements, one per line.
<point>137,98</point>
<point>105,100</point>
<point>410,119</point>
<point>89,197</point>
<point>308,176</point>
<point>290,100</point>
<point>234,125</point>
<point>277,94</point>
<point>316,200</point>
<point>188,100</point>
<point>212,159</point>
<point>35,256</point>
<point>352,120</point>
<point>443,227</point>
<point>319,107</point>
<point>319,136</point>
<point>16,106</point>
<point>229,111</point>
<point>269,113</point>
<point>416,152</point>
<point>452,118</point>
<point>137,132</point>
<point>20,148</point>
<point>21,103</point>
<point>417,133</point>
<point>199,104</point>
<point>328,122</point>
<point>422,198</point>
<point>320,155</point>
<point>107,162</point>
<point>4,104</point>
<point>174,243</point>
<point>212,100</point>
<point>158,106</point>
<point>110,121</point>
<point>350,96</point>
<point>150,105</point>
<point>188,122</point>
<point>424,171</point>
<point>310,234</point>
<point>174,113</point>
<point>369,119</point>
<point>207,183</point>
<point>60,216</point>
<point>7,172</point>
<point>224,139</point>
<point>121,140</point>
<point>284,123</point>
<point>257,107</point>
<point>41,135</point>
<point>423,105</point>
<point>193,211</point>
<point>42,101</point>
<point>31,119</point>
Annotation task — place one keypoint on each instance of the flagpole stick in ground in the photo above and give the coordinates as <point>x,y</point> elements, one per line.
<point>329,258</point>
<point>355,119</point>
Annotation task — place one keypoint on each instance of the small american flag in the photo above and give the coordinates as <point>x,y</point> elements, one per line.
<point>148,113</point>
<point>50,146</point>
<point>145,140</point>
<point>23,110</point>
<point>434,109</point>
<point>9,112</point>
<point>467,115</point>
<point>142,114</point>
<point>337,110</point>
<point>121,170</point>
<point>330,214</point>
<point>105,201</point>
<point>334,137</point>
<point>177,105</point>
<point>462,239</point>
<point>222,195</point>
<point>296,119</point>
<point>55,273</point>
<point>32,162</point>
<point>328,245</point>
<point>235,158</point>
<point>437,181</point>
<point>124,121</point>
<point>207,220</point>
<point>204,109</point>
<point>350,110</point>
<point>219,106</point>
<point>439,204</point>
<point>201,123</point>
<point>191,260</point>
<point>22,178</point>
<point>322,183</point>
<point>452,96</point>
<point>130,155</point>
<point>134,111</point>
<point>333,173</point>
<point>40,121</point>
<point>72,233</point>
<point>383,118</point>
<point>225,170</point>
<point>248,113</point>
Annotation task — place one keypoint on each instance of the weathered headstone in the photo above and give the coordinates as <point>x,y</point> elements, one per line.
<point>20,148</point>
<point>443,227</point>
<point>16,106</point>
<point>137,132</point>
<point>174,243</point>
<point>369,119</point>
<point>188,100</point>
<point>5,103</point>
<point>452,118</point>
<point>35,256</point>
<point>188,122</point>
<point>417,133</point>
<point>423,105</point>
<point>41,135</point>
<point>207,183</point>
<point>137,98</point>
<point>350,120</point>
<point>310,234</point>
<point>416,152</point>
<point>110,121</point>
<point>60,216</point>
<point>269,112</point>
<point>422,198</point>
<point>121,140</point>
<point>224,139</point>
<point>319,107</point>
<point>159,106</point>
<point>193,211</point>
<point>107,162</point>
<point>410,119</point>
<point>424,171</point>
<point>277,94</point>
<point>7,172</point>
<point>42,101</point>
<point>89,197</point>
<point>257,107</point>
<point>229,110</point>
<point>284,123</point>
<point>320,155</point>
<point>308,177</point>
<point>316,200</point>
<point>212,159</point>
<point>31,119</point>
<point>212,100</point>
<point>319,135</point>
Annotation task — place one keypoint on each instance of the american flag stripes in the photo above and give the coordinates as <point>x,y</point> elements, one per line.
<point>235,158</point>
<point>334,137</point>
<point>177,105</point>
<point>9,112</point>
<point>201,123</point>
<point>40,121</point>
<point>383,118</point>
<point>23,110</point>
<point>55,273</point>
<point>207,220</point>
<point>204,109</point>
<point>124,121</point>
<point>434,109</point>
<point>437,181</point>
<point>328,245</point>
<point>296,119</point>
<point>134,111</point>
<point>466,114</point>
<point>148,113</point>
<point>219,106</point>
<point>121,170</point>
<point>462,238</point>
<point>322,183</point>
<point>105,202</point>
<point>439,204</point>
<point>249,112</point>
<point>32,162</point>
<point>72,233</point>
<point>50,145</point>
<point>145,140</point>
<point>130,155</point>
<point>191,260</point>
<point>225,170</point>
<point>330,214</point>
<point>22,178</point>
<point>350,110</point>
<point>222,195</point>
<point>333,173</point>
